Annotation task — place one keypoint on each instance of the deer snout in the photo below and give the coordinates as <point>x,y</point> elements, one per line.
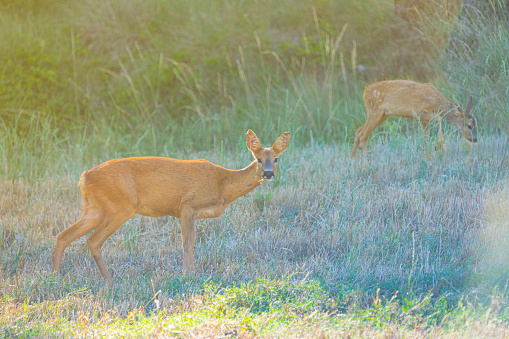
<point>268,174</point>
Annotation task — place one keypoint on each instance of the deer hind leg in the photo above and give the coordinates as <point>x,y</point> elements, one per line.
<point>112,222</point>
<point>187,219</point>
<point>90,219</point>
<point>357,140</point>
<point>370,125</point>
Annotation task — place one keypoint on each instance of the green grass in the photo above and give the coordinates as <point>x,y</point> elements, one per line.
<point>289,307</point>
<point>96,77</point>
<point>395,244</point>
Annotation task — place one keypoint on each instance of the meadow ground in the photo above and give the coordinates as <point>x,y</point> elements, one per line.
<point>391,245</point>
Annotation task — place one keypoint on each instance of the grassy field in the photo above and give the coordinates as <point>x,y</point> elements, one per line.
<point>392,245</point>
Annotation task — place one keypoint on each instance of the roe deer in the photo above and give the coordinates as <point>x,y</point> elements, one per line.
<point>153,186</point>
<point>409,99</point>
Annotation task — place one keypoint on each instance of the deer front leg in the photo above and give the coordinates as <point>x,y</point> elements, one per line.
<point>187,219</point>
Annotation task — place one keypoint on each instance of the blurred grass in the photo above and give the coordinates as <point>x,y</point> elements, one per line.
<point>477,60</point>
<point>124,78</point>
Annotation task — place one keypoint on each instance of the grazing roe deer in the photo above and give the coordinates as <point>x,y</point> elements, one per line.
<point>409,99</point>
<point>154,186</point>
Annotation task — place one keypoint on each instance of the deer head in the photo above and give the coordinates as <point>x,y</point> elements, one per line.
<point>464,121</point>
<point>267,157</point>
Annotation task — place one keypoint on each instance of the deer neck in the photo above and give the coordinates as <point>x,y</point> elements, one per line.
<point>240,182</point>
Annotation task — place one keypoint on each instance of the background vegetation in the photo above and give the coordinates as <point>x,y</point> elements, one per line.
<point>395,244</point>
<point>100,79</point>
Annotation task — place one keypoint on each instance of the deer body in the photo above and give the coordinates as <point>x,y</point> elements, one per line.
<point>409,99</point>
<point>153,186</point>
<point>156,187</point>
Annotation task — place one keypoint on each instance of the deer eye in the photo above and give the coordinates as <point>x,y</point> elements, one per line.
<point>469,126</point>
<point>275,159</point>
<point>259,160</point>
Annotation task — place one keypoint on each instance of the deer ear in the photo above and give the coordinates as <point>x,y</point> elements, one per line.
<point>470,106</point>
<point>456,109</point>
<point>252,141</point>
<point>282,142</point>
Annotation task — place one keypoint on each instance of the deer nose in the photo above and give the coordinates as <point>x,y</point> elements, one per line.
<point>268,174</point>
<point>474,139</point>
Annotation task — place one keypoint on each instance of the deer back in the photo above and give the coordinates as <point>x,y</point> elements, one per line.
<point>404,98</point>
<point>153,186</point>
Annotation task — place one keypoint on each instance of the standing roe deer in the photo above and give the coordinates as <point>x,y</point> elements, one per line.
<point>409,99</point>
<point>153,186</point>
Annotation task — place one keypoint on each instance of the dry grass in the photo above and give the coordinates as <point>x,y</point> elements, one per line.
<point>393,221</point>
<point>390,246</point>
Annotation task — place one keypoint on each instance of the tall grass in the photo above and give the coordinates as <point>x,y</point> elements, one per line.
<point>149,77</point>
<point>477,61</point>
<point>84,82</point>
<point>184,74</point>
